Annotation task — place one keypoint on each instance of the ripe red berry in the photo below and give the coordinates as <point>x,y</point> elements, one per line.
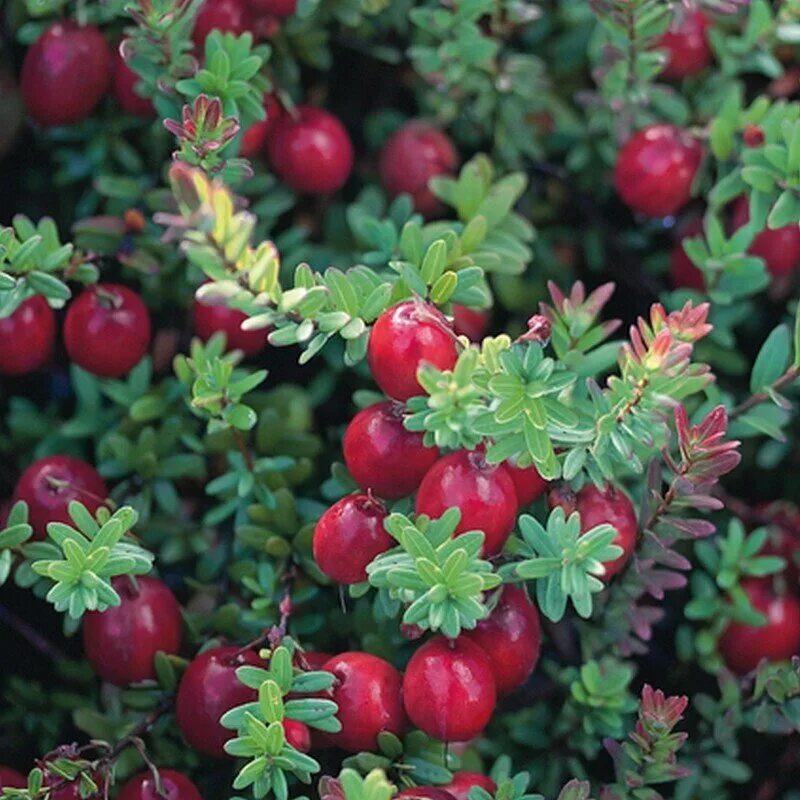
<point>424,793</point>
<point>384,457</point>
<point>485,495</point>
<point>753,135</point>
<point>297,735</point>
<point>310,150</point>
<point>683,274</point>
<point>367,691</point>
<point>348,536</point>
<point>402,339</point>
<point>528,483</point>
<point>210,319</point>
<point>686,43</point>
<point>123,87</point>
<point>784,537</point>
<point>510,636</point>
<point>121,642</point>
<point>28,335</point>
<point>176,786</point>
<point>449,689</point>
<point>107,330</point>
<point>656,168</point>
<point>228,16</point>
<point>743,646</point>
<point>11,779</point>
<point>254,139</point>
<point>65,73</point>
<point>208,689</point>
<point>276,8</point>
<point>414,154</point>
<point>50,484</point>
<point>779,247</point>
<point>470,322</point>
<point>462,782</point>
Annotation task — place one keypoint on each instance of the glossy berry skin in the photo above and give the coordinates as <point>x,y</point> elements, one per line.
<point>656,168</point>
<point>27,337</point>
<point>208,689</point>
<point>123,87</point>
<point>228,16</point>
<point>310,151</point>
<point>511,638</point>
<point>449,689</point>
<point>143,787</point>
<point>209,319</point>
<point>402,339</point>
<point>462,782</point>
<point>470,322</point>
<point>743,646</point>
<point>686,43</point>
<point>121,642</point>
<point>414,154</point>
<point>65,73</point>
<point>683,274</point>
<point>779,247</point>
<point>348,536</point>
<point>107,330</point>
<point>11,779</point>
<point>297,734</point>
<point>275,8</point>
<point>367,690</point>
<point>424,793</point>
<point>382,456</point>
<point>528,483</point>
<point>484,493</point>
<point>50,484</point>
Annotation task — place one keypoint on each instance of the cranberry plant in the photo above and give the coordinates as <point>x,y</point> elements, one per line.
<point>398,399</point>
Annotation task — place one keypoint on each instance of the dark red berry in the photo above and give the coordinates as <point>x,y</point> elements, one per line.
<point>384,457</point>
<point>784,536</point>
<point>65,73</point>
<point>367,691</point>
<point>208,689</point>
<point>484,493</point>
<point>348,536</point>
<point>121,642</point>
<point>297,735</point>
<point>511,638</point>
<point>449,690</point>
<point>227,16</point>
<point>175,785</point>
<point>107,330</point>
<point>27,336</point>
<point>310,150</point>
<point>11,779</point>
<point>50,484</point>
<point>470,322</point>
<point>683,274</point>
<point>405,337</point>
<point>753,135</point>
<point>528,483</point>
<point>686,43</point>
<point>462,782</point>
<point>656,168</point>
<point>275,8</point>
<point>779,247</point>
<point>414,154</point>
<point>424,793</point>
<point>124,89</point>
<point>743,646</point>
<point>210,318</point>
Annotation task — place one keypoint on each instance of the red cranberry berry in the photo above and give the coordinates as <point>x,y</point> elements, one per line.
<point>348,536</point>
<point>683,274</point>
<point>656,168</point>
<point>11,779</point>
<point>175,785</point>
<point>779,247</point>
<point>227,16</point>
<point>275,8</point>
<point>600,506</point>
<point>528,483</point>
<point>310,151</point>
<point>402,339</point>
<point>124,88</point>
<point>686,43</point>
<point>210,318</point>
<point>743,646</point>
<point>510,636</point>
<point>121,642</point>
<point>462,782</point>
<point>384,457</point>
<point>50,484</point>
<point>208,689</point>
<point>485,495</point>
<point>27,336</point>
<point>470,322</point>
<point>254,139</point>
<point>297,735</point>
<point>753,135</point>
<point>65,73</point>
<point>367,691</point>
<point>107,330</point>
<point>784,537</point>
<point>413,155</point>
<point>449,689</point>
<point>424,793</point>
